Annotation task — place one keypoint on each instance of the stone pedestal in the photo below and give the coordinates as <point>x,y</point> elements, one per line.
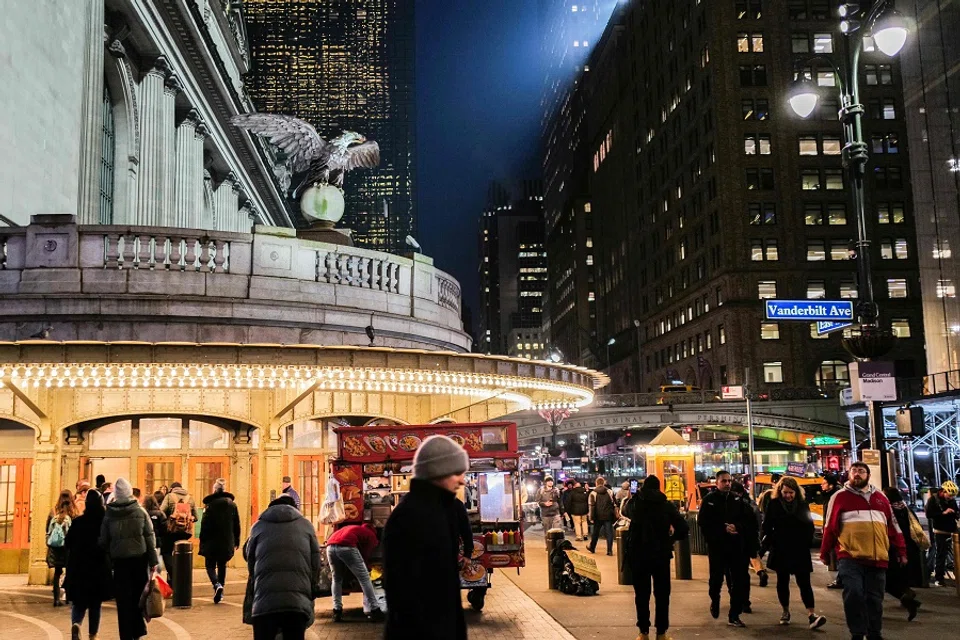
<point>322,234</point>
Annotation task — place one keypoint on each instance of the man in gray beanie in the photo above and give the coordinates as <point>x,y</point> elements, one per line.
<point>421,544</point>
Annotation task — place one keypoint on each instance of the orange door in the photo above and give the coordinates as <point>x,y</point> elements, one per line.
<point>153,473</point>
<point>308,480</point>
<point>254,489</point>
<point>204,472</point>
<point>15,503</point>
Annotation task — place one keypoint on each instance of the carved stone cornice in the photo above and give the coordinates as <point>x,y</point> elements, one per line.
<point>160,67</point>
<point>172,84</point>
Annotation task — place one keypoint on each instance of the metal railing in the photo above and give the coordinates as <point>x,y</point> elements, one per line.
<point>705,396</point>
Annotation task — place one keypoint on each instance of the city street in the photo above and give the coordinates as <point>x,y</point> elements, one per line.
<point>518,607</point>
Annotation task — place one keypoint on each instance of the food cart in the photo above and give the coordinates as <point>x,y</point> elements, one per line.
<point>374,467</point>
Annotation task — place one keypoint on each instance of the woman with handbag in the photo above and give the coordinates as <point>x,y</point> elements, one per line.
<point>900,579</point>
<point>89,581</point>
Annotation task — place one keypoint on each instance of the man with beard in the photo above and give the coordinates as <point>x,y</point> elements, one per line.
<point>859,516</point>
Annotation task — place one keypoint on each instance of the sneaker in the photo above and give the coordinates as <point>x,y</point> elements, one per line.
<point>715,609</point>
<point>816,621</point>
<point>75,631</point>
<point>937,583</point>
<point>217,594</point>
<point>337,615</point>
<point>785,618</point>
<point>913,606</point>
<point>835,585</point>
<point>590,549</point>
<point>764,578</point>
<point>748,608</point>
<point>736,622</point>
<point>376,615</point>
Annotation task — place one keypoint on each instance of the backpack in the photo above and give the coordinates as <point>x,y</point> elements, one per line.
<point>57,533</point>
<point>181,518</point>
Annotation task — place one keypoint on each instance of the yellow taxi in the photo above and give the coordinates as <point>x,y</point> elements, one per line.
<point>812,493</point>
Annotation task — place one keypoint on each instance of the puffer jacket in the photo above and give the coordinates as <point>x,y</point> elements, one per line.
<point>552,496</point>
<point>220,528</point>
<point>127,532</point>
<point>176,495</point>
<point>283,558</point>
<point>578,501</point>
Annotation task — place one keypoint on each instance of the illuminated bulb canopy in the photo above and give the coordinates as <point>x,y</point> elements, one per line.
<point>803,97</point>
<point>890,33</point>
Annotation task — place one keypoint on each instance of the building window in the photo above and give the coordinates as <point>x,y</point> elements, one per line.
<point>848,289</point>
<point>897,288</point>
<point>882,109</point>
<point>161,433</point>
<point>767,289</point>
<point>800,43</point>
<point>816,290</point>
<point>816,251</point>
<point>750,43</point>
<point>941,249</point>
<point>107,148</point>
<point>773,372</point>
<point>760,213</point>
<point>114,436</point>
<point>839,250</point>
<point>836,214</point>
<point>808,145</point>
<point>888,143</point>
<point>753,75</point>
<point>810,179</point>
<point>748,9</point>
<point>890,212</point>
<point>900,327</point>
<point>833,179</point>
<point>759,179</point>
<point>833,373</point>
<point>721,334</point>
<point>756,144</point>
<point>823,43</point>
<point>815,335</point>
<point>812,214</point>
<point>797,9</point>
<point>826,78</point>
<point>769,331</point>
<point>764,250</point>
<point>832,146</point>
<point>755,109</point>
<point>878,74</point>
<point>888,177</point>
<point>945,289</point>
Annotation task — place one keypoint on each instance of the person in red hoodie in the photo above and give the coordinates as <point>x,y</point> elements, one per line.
<point>860,527</point>
<point>349,549</point>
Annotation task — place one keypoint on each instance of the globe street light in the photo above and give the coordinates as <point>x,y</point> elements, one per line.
<point>888,29</point>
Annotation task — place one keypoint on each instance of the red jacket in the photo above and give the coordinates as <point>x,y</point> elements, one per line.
<point>361,536</point>
<point>861,526</point>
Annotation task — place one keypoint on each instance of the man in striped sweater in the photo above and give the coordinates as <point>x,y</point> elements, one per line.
<point>859,525</point>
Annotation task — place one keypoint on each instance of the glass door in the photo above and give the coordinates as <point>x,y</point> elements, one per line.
<point>308,480</point>
<point>154,473</point>
<point>15,503</point>
<point>204,471</point>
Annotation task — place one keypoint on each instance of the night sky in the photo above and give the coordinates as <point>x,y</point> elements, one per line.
<point>478,95</point>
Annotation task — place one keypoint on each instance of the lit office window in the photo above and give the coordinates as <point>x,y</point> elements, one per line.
<point>772,372</point>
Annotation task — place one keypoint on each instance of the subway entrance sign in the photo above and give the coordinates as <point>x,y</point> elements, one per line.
<point>809,310</point>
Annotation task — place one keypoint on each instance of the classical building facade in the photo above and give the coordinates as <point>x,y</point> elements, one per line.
<point>160,319</point>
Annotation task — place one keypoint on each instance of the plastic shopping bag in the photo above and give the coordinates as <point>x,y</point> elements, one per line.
<point>165,589</point>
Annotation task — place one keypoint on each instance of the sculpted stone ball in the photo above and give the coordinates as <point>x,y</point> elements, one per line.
<point>322,205</point>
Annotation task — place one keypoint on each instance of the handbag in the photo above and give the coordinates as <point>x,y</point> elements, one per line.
<point>151,600</point>
<point>332,511</point>
<point>918,534</point>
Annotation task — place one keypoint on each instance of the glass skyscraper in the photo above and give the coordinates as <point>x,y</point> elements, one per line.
<point>346,65</point>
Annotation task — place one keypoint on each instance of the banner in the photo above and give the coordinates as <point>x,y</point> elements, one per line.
<point>584,565</point>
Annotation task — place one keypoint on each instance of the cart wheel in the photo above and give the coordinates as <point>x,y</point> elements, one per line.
<point>476,597</point>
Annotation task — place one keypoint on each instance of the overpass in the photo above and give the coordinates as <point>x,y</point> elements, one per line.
<point>791,419</point>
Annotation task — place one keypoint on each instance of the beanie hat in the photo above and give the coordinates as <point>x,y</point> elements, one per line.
<point>652,483</point>
<point>439,456</point>
<point>122,491</point>
<point>547,479</point>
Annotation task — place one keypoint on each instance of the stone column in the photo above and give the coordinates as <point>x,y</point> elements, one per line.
<point>188,185</point>
<point>91,118</point>
<point>167,208</point>
<point>272,470</point>
<point>46,488</point>
<point>226,204</point>
<point>151,182</point>
<point>241,485</point>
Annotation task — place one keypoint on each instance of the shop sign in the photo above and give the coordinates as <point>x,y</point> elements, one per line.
<point>797,469</point>
<point>871,458</point>
<point>873,381</point>
<point>731,393</point>
<point>809,310</point>
<point>584,565</point>
<point>824,441</point>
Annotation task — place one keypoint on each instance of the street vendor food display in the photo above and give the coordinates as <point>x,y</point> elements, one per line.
<point>374,467</point>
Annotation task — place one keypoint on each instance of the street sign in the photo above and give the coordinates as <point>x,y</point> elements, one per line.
<point>731,393</point>
<point>809,310</point>
<point>846,397</point>
<point>796,469</point>
<point>873,381</point>
<point>829,326</point>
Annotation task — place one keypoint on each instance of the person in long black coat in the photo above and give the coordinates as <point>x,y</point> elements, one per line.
<point>89,581</point>
<point>219,535</point>
<point>788,535</point>
<point>420,543</point>
<point>900,579</point>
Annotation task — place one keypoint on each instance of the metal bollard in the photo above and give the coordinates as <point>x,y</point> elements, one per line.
<point>681,560</point>
<point>956,561</point>
<point>553,537</point>
<point>624,573</point>
<point>182,574</point>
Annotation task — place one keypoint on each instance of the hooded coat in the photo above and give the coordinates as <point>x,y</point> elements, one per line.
<point>178,494</point>
<point>126,532</point>
<point>788,534</point>
<point>651,516</point>
<point>88,579</point>
<point>578,501</point>
<point>220,527</point>
<point>421,575</point>
<point>283,560</point>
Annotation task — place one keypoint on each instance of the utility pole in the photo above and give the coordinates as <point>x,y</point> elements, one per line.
<point>750,466</point>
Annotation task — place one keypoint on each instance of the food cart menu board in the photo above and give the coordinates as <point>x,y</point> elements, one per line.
<point>373,444</point>
<point>350,477</point>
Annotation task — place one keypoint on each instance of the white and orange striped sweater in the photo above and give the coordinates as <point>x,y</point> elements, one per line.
<point>860,526</point>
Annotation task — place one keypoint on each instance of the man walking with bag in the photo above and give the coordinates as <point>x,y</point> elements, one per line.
<point>219,535</point>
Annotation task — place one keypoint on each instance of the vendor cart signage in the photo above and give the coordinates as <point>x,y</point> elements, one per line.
<point>380,444</point>
<point>584,565</point>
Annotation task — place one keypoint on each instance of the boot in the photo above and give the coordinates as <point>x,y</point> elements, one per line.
<point>764,577</point>
<point>643,636</point>
<point>75,631</point>
<point>663,636</point>
<point>337,615</point>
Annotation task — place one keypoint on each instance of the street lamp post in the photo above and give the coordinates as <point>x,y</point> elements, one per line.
<point>636,325</point>
<point>889,32</point>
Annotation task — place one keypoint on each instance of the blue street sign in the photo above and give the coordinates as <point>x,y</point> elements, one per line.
<point>809,310</point>
<point>829,326</point>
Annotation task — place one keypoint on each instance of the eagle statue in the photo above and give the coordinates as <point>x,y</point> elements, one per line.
<point>319,161</point>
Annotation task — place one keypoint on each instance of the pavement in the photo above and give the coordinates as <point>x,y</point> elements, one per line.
<point>518,607</point>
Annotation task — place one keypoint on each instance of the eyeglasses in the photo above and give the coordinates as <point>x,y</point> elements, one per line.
<point>857,471</point>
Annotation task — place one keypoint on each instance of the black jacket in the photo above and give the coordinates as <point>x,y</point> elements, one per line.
<point>720,508</point>
<point>283,558</point>
<point>420,567</point>
<point>578,502</point>
<point>942,523</point>
<point>88,579</point>
<point>601,505</point>
<point>788,536</point>
<point>164,539</point>
<point>127,532</point>
<point>912,574</point>
<point>651,516</point>
<point>220,527</point>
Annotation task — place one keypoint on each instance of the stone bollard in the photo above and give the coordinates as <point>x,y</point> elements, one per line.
<point>182,574</point>
<point>681,559</point>
<point>553,538</point>
<point>624,573</point>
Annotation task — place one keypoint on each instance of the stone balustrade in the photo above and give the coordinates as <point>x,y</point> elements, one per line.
<point>162,284</point>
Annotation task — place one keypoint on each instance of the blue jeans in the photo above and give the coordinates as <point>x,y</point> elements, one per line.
<point>77,612</point>
<point>343,559</point>
<point>606,526</point>
<point>863,588</point>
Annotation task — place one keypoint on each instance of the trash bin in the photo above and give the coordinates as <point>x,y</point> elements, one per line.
<point>182,574</point>
<point>681,560</point>
<point>553,537</point>
<point>624,574</point>
<point>698,543</point>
